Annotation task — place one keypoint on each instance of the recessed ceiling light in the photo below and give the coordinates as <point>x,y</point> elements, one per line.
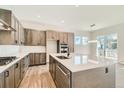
<point>62,21</point>
<point>76,5</point>
<point>38,16</point>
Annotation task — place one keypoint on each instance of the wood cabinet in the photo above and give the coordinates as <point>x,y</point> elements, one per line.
<point>37,59</point>
<point>42,38</point>
<point>21,35</point>
<point>9,77</point>
<point>52,35</point>
<point>60,74</point>
<point>71,42</point>
<point>63,37</point>
<point>17,76</point>
<point>52,67</point>
<point>2,80</point>
<point>12,76</point>
<point>35,38</point>
<point>22,69</point>
<point>10,37</point>
<point>31,59</point>
<point>28,36</point>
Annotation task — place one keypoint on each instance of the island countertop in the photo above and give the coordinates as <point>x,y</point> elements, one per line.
<point>79,62</point>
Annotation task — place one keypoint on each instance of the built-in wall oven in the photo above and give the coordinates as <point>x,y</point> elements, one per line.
<point>62,47</point>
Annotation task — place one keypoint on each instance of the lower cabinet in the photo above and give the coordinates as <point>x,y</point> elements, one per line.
<point>9,77</point>
<point>60,74</point>
<point>22,68</point>
<point>17,77</point>
<point>37,59</point>
<point>1,80</point>
<point>12,77</point>
<point>52,67</point>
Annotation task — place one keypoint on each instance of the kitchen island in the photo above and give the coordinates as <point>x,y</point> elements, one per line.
<point>77,71</point>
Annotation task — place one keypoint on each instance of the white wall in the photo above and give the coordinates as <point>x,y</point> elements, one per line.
<point>82,49</point>
<point>119,29</point>
<point>32,49</point>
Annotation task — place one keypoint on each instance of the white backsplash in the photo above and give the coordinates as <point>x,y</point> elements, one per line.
<point>8,50</point>
<point>32,49</point>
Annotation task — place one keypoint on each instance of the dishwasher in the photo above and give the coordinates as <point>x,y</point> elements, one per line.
<point>62,77</point>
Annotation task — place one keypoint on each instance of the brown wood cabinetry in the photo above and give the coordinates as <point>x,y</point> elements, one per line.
<point>37,59</point>
<point>22,68</point>
<point>17,77</point>
<point>9,77</point>
<point>12,77</point>
<point>71,42</point>
<point>63,37</point>
<point>35,38</point>
<point>31,59</point>
<point>60,74</point>
<point>51,35</point>
<point>28,36</point>
<point>52,67</point>
<point>42,38</point>
<point>10,37</point>
<point>2,80</point>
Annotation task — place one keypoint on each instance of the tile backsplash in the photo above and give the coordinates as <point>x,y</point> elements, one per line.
<point>8,50</point>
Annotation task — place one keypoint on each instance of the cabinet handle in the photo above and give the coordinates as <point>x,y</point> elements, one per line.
<point>106,70</point>
<point>66,74</point>
<point>7,74</point>
<point>17,65</point>
<point>16,41</point>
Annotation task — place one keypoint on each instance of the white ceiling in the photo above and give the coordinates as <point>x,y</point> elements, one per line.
<point>72,17</point>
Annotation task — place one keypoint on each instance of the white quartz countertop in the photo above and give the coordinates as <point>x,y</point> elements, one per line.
<point>19,57</point>
<point>79,62</point>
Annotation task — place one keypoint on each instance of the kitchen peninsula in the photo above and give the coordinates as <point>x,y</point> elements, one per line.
<point>78,71</point>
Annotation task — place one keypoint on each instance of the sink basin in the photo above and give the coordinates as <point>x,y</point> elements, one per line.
<point>62,57</point>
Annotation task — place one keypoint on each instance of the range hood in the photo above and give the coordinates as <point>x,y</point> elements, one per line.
<point>5,27</point>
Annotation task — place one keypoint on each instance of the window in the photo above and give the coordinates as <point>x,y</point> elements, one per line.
<point>77,40</point>
<point>107,46</point>
<point>81,40</point>
<point>84,40</point>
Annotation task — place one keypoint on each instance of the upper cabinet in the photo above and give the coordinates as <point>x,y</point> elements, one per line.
<point>71,41</point>
<point>35,38</point>
<point>63,37</point>
<point>11,30</point>
<point>52,35</point>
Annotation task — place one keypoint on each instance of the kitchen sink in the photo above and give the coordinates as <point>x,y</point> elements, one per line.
<point>62,57</point>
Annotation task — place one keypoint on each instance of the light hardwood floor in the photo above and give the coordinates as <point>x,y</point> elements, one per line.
<point>37,77</point>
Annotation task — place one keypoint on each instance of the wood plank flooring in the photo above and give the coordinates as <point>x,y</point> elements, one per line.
<point>37,77</point>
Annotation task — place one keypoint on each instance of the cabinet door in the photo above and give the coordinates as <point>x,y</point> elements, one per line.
<point>31,59</point>
<point>43,58</point>
<point>17,32</point>
<point>65,37</point>
<point>42,38</point>
<point>35,37</point>
<point>22,68</point>
<point>50,65</point>
<point>71,41</point>
<point>36,59</point>
<point>51,35</point>
<point>61,37</point>
<point>1,80</point>
<point>17,74</point>
<point>9,77</point>
<point>28,37</point>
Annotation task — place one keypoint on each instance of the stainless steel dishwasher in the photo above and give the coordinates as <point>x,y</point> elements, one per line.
<point>62,77</point>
